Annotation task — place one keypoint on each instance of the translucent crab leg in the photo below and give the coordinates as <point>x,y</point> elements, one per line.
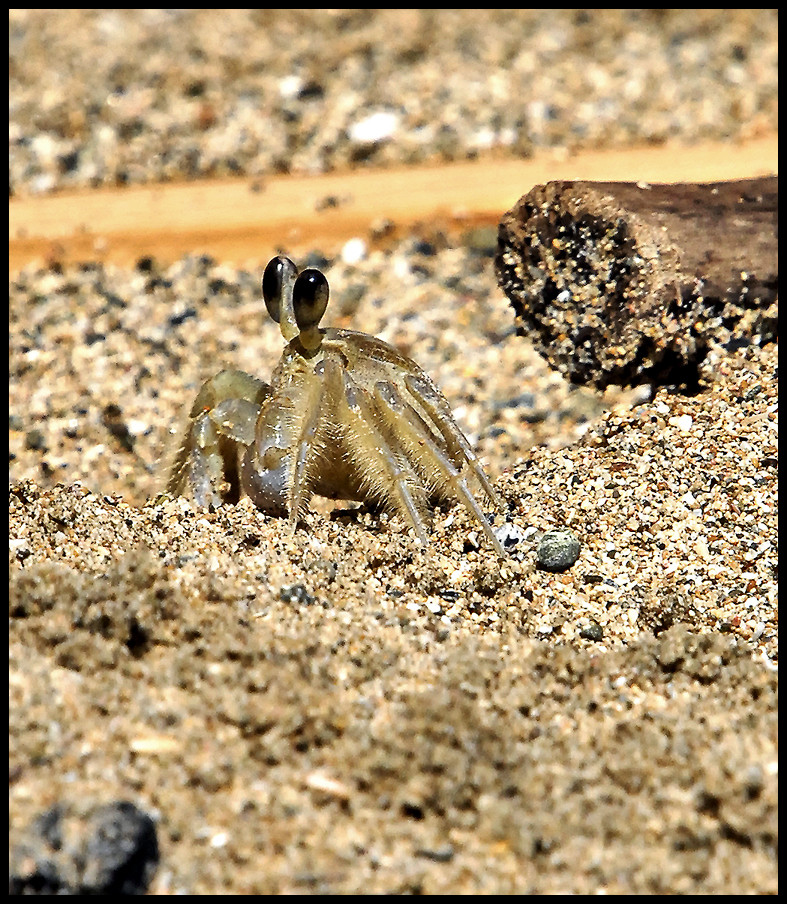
<point>443,419</point>
<point>362,415</point>
<point>221,425</point>
<point>276,469</point>
<point>198,464</point>
<point>409,425</point>
<point>309,443</point>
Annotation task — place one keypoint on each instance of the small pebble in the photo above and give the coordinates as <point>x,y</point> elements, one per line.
<point>35,439</point>
<point>558,550</point>
<point>354,251</point>
<point>682,421</point>
<point>296,593</point>
<point>593,631</point>
<point>509,535</point>
<point>375,127</point>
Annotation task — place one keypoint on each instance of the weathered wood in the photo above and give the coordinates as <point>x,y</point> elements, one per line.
<point>627,283</point>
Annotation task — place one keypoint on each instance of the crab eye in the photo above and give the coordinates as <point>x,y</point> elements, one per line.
<point>309,298</point>
<point>278,273</point>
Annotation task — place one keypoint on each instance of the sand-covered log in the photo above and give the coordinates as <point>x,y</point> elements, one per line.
<point>627,283</point>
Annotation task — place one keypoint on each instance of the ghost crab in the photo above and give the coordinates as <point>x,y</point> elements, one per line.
<point>346,416</point>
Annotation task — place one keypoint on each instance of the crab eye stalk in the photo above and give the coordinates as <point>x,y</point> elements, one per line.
<point>277,284</point>
<point>309,298</point>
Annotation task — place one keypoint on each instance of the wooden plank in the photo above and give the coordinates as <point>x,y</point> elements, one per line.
<point>244,221</point>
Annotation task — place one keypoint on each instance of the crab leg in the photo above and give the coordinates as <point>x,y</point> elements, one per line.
<point>410,426</point>
<point>372,446</point>
<point>309,443</point>
<point>199,464</point>
<point>221,427</point>
<point>276,469</point>
<point>442,418</point>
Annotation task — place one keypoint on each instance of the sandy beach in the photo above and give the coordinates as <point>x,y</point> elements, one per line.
<point>337,710</point>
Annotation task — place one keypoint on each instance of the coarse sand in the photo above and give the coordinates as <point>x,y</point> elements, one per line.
<point>336,710</point>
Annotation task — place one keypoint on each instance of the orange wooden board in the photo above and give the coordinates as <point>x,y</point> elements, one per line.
<point>246,220</point>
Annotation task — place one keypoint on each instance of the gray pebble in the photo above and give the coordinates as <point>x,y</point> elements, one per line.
<point>296,593</point>
<point>111,850</point>
<point>558,550</point>
<point>593,631</point>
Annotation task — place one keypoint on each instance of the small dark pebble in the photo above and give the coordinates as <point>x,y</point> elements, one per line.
<point>296,593</point>
<point>558,550</point>
<point>753,392</point>
<point>311,90</point>
<point>422,246</point>
<point>158,282</point>
<point>112,418</point>
<point>593,631</point>
<point>437,855</point>
<point>591,578</point>
<point>121,853</point>
<point>69,162</point>
<point>327,202</point>
<point>737,343</point>
<point>113,850</point>
<point>523,400</point>
<point>146,264</point>
<point>317,260</point>
<point>420,271</point>
<point>182,316</point>
<point>35,439</point>
<point>112,299</point>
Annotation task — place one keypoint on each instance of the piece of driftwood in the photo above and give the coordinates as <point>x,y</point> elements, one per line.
<point>627,283</point>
